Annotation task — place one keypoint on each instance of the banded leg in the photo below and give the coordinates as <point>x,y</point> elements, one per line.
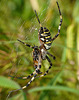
<point>38,69</point>
<point>48,68</point>
<point>38,18</point>
<point>51,55</point>
<point>29,76</point>
<point>59,23</point>
<point>32,79</point>
<point>25,44</point>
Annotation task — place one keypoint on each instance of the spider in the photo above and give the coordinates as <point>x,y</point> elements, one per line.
<point>46,39</point>
<point>44,34</point>
<point>37,65</point>
<point>40,53</point>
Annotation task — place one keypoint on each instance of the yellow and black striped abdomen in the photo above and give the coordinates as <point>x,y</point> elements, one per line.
<point>45,37</point>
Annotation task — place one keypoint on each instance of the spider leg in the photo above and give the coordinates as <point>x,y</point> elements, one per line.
<point>29,76</point>
<point>38,18</point>
<point>25,44</point>
<point>51,55</point>
<point>32,79</point>
<point>48,68</point>
<point>36,72</point>
<point>38,69</point>
<point>23,77</point>
<point>59,23</point>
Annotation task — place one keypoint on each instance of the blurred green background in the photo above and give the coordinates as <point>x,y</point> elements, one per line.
<point>18,21</point>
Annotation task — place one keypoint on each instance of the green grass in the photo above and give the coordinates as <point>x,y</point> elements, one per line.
<point>18,21</point>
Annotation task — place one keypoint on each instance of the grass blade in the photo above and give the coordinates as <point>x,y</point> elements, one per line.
<point>7,83</point>
<point>62,88</point>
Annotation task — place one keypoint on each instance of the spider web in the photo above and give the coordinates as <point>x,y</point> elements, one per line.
<point>21,56</point>
<point>18,21</point>
<point>21,30</point>
<point>28,38</point>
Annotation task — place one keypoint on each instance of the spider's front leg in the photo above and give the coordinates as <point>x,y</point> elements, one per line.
<point>48,68</point>
<point>32,79</point>
<point>37,71</point>
<point>29,76</point>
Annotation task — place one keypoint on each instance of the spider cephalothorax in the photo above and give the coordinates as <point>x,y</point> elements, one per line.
<point>35,53</point>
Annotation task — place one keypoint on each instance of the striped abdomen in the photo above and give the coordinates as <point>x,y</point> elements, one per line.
<point>45,37</point>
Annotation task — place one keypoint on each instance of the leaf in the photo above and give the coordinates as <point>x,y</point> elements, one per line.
<point>20,96</point>
<point>7,83</point>
<point>70,40</point>
<point>52,82</point>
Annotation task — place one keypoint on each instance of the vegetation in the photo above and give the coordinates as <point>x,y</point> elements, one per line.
<point>18,21</point>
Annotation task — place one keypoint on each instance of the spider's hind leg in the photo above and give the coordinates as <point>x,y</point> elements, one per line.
<point>59,23</point>
<point>25,44</point>
<point>38,18</point>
